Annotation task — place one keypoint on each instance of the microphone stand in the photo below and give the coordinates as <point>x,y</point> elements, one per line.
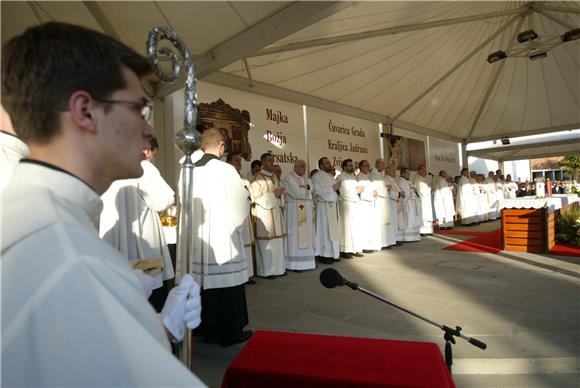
<point>448,335</point>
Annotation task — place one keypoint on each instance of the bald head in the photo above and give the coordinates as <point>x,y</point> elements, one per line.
<point>380,164</point>
<point>300,167</point>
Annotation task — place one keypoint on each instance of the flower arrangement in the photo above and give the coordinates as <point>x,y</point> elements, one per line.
<point>568,226</point>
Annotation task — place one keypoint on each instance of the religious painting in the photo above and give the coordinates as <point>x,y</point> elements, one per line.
<point>552,163</point>
<point>404,152</point>
<point>236,122</point>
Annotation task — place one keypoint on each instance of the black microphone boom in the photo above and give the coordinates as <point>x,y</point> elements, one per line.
<point>330,278</point>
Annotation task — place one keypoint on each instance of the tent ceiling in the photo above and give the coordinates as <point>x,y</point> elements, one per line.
<point>420,63</point>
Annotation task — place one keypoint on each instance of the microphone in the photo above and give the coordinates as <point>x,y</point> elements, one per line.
<point>431,174</point>
<point>330,278</point>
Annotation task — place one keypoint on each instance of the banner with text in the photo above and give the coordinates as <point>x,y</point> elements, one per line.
<point>444,155</point>
<point>276,126</point>
<point>340,137</point>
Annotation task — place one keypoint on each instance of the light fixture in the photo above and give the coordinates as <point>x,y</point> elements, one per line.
<point>497,56</point>
<point>535,55</point>
<point>526,36</point>
<point>570,35</point>
<point>505,141</point>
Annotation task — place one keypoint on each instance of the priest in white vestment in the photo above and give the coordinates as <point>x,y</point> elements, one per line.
<point>299,215</point>
<point>235,159</point>
<point>483,199</point>
<point>327,231</point>
<point>352,229</point>
<point>382,204</point>
<point>266,193</point>
<point>466,205</point>
<point>73,310</point>
<point>409,230</point>
<point>443,201</point>
<point>395,194</point>
<point>492,196</point>
<point>373,224</point>
<point>511,188</point>
<point>130,223</point>
<point>423,186</point>
<point>220,207</point>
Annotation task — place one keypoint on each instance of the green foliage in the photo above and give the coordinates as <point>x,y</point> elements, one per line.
<point>571,166</point>
<point>568,226</point>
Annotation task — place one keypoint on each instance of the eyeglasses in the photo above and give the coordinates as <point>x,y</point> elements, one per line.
<point>144,108</point>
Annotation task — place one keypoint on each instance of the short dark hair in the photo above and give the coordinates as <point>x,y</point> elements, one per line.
<point>320,161</point>
<point>264,156</point>
<point>403,169</point>
<point>463,169</point>
<point>344,162</point>
<point>153,144</point>
<point>231,155</point>
<point>42,67</point>
<point>255,163</point>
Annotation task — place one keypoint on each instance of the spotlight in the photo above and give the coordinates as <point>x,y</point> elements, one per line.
<point>526,36</point>
<point>505,141</point>
<point>571,35</point>
<point>535,55</point>
<point>497,56</point>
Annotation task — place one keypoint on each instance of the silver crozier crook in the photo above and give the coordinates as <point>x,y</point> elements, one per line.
<point>187,140</point>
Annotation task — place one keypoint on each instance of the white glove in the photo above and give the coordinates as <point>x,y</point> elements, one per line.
<point>192,315</point>
<point>146,282</point>
<point>173,313</point>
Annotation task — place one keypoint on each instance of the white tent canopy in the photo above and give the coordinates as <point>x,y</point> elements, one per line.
<point>419,65</point>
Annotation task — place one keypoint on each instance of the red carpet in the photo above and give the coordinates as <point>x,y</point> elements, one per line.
<point>490,242</point>
<point>565,250</point>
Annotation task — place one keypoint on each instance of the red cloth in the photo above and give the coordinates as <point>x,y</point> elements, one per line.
<point>289,360</point>
<point>565,250</point>
<point>488,242</point>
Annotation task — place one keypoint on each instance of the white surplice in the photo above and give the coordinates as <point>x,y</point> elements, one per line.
<point>327,236</point>
<point>482,202</point>
<point>130,220</point>
<point>248,234</point>
<point>270,224</point>
<point>395,208</point>
<point>374,224</point>
<point>220,207</point>
<point>73,310</point>
<point>352,224</point>
<point>443,203</point>
<point>466,205</point>
<point>411,211</point>
<point>299,216</point>
<point>424,189</point>
<point>511,189</point>
<point>12,149</point>
<point>383,208</point>
<point>492,201</point>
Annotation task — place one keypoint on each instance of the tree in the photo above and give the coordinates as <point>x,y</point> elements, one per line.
<point>571,166</point>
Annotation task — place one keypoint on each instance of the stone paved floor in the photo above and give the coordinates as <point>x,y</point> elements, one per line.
<point>526,307</point>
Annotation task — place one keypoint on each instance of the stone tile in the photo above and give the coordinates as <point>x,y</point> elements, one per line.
<point>383,324</point>
<point>333,310</point>
<point>544,324</point>
<point>479,312</point>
